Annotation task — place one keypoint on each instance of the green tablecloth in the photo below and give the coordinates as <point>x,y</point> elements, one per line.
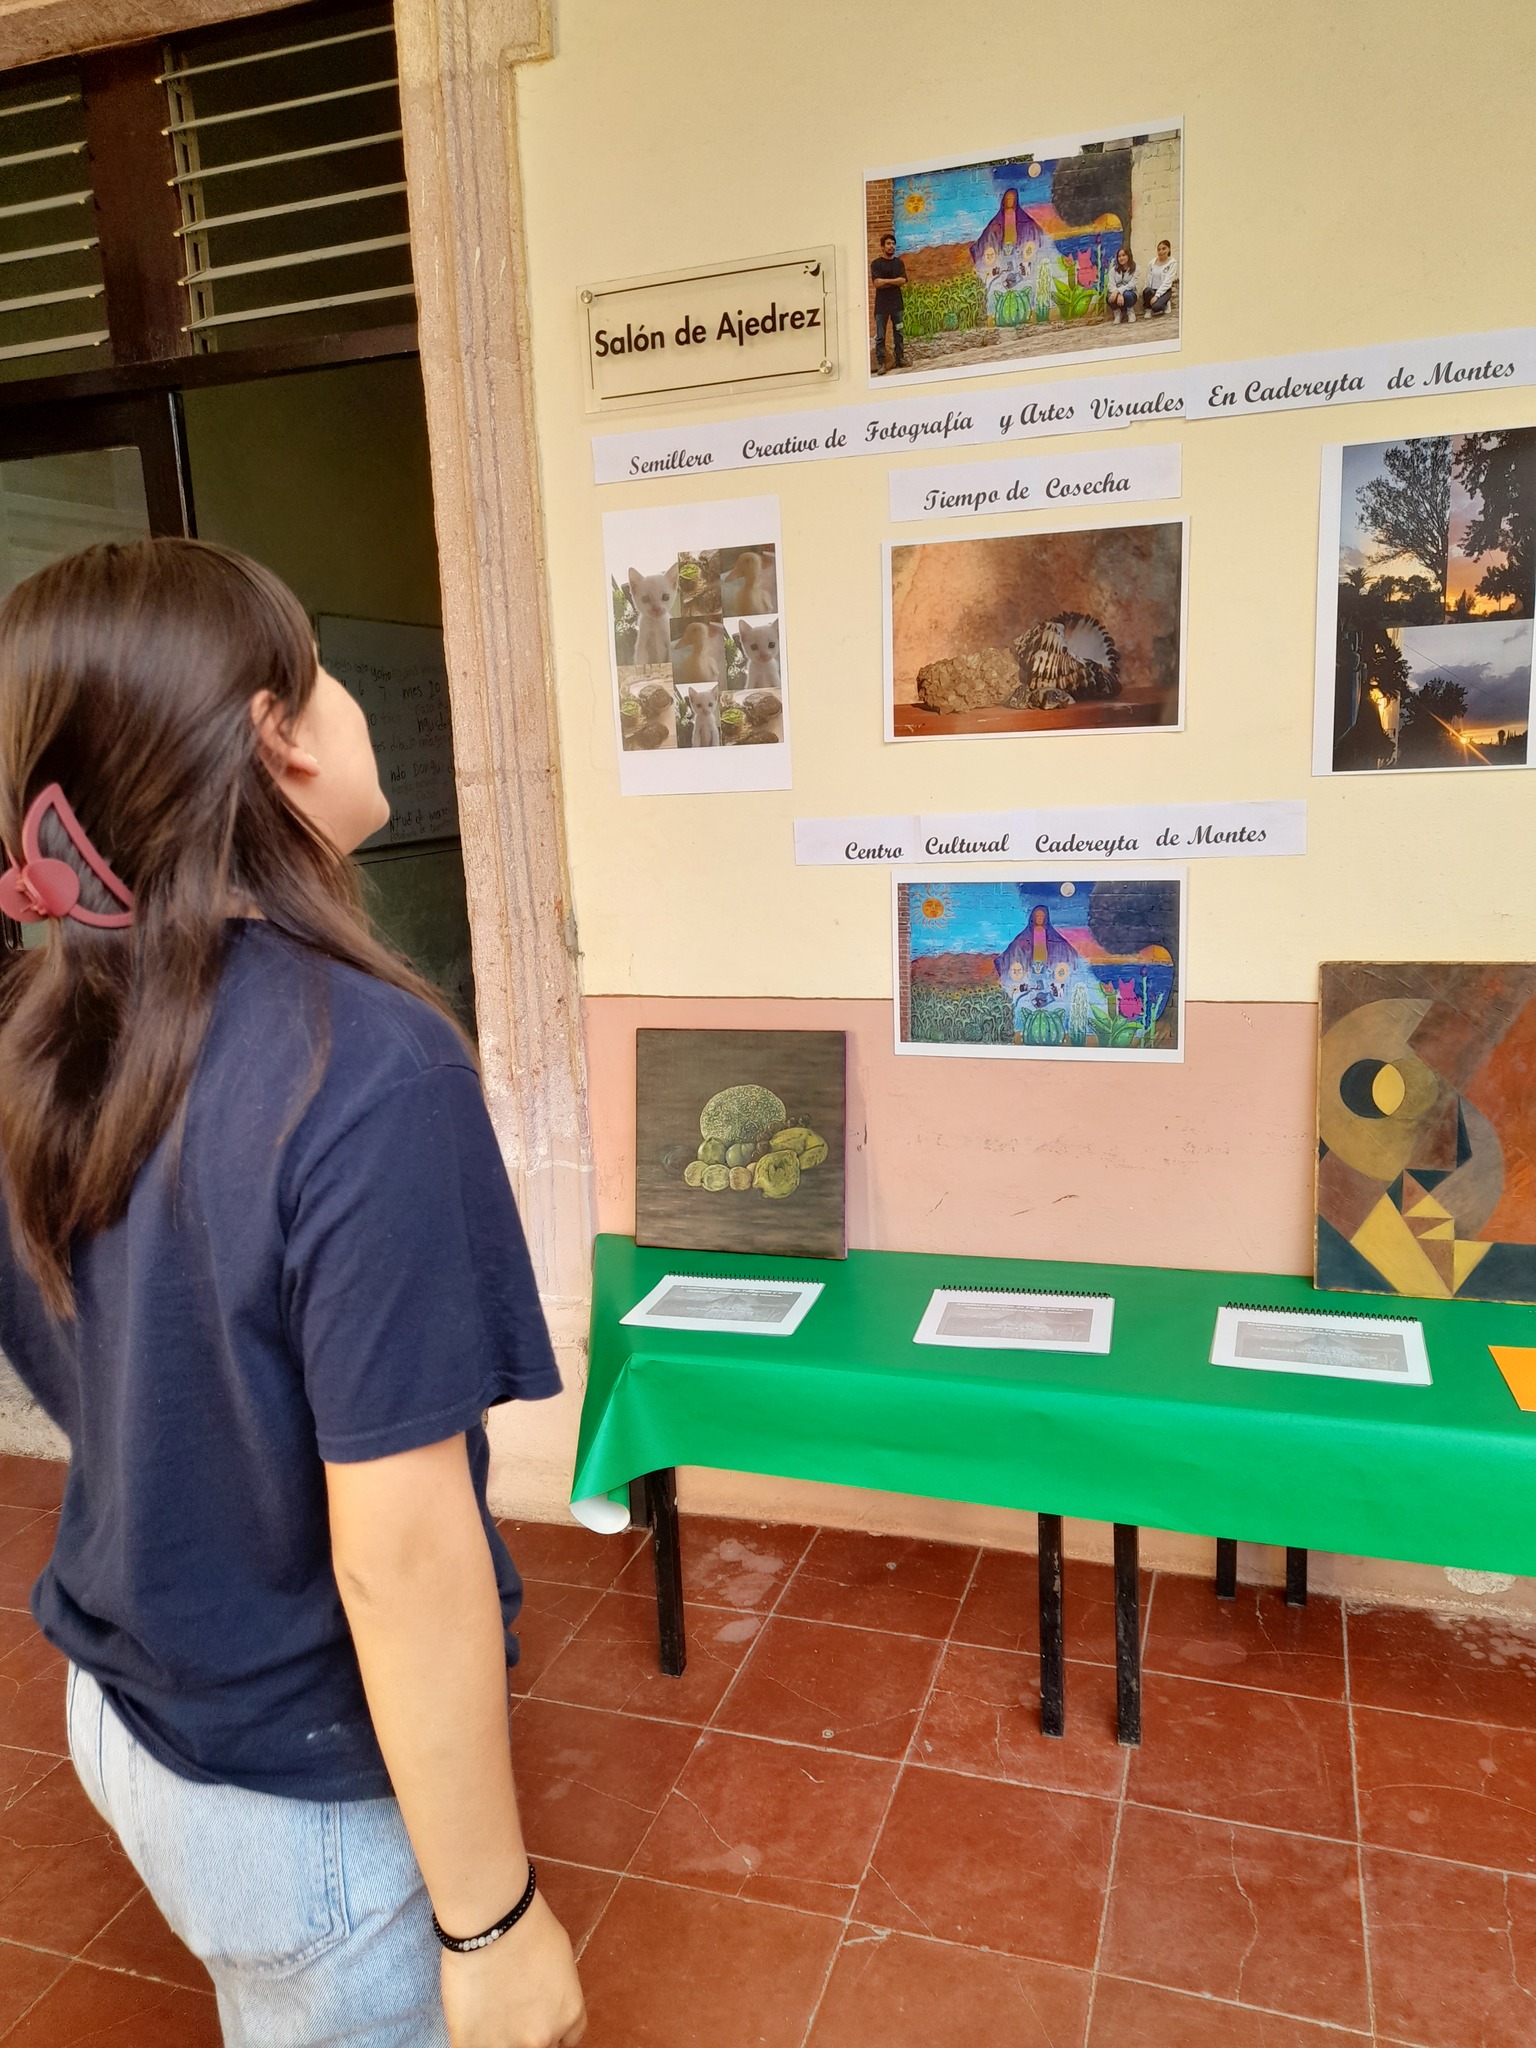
<point>1151,1434</point>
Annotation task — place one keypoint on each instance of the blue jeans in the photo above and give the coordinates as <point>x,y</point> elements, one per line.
<point>310,1917</point>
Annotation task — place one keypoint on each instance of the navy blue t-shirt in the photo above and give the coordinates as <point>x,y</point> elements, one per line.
<point>328,1272</point>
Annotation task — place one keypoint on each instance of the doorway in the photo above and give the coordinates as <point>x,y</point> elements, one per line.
<point>323,475</point>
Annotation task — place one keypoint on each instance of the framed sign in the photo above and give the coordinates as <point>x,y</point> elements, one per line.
<point>720,329</point>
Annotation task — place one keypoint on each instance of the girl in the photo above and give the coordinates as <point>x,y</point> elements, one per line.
<point>1122,282</point>
<point>265,1270</point>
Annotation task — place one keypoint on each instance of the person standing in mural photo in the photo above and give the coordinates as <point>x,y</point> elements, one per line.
<point>264,1269</point>
<point>889,274</point>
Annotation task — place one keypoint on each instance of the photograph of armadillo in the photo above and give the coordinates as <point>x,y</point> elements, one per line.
<point>739,1142</point>
<point>1079,631</point>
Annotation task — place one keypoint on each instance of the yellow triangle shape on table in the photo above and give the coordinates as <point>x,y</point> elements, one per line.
<point>1439,1230</point>
<point>1426,1205</point>
<point>1466,1254</point>
<point>1517,1362</point>
<point>1391,1247</point>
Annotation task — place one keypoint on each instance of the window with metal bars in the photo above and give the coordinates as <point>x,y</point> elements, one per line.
<point>291,177</point>
<point>52,316</point>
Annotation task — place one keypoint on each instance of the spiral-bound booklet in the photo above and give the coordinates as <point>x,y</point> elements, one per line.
<point>739,1307</point>
<point>1005,1319</point>
<point>1331,1344</point>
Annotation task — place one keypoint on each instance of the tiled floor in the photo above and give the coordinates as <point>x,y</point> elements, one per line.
<point>843,1829</point>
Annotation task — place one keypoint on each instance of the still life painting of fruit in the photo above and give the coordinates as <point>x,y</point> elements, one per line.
<point>740,1141</point>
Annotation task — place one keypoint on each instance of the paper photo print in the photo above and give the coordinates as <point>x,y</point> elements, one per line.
<point>1061,966</point>
<point>1426,603</point>
<point>1075,631</point>
<point>1065,249</point>
<point>696,637</point>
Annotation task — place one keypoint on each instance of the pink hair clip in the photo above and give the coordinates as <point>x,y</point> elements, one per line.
<point>39,888</point>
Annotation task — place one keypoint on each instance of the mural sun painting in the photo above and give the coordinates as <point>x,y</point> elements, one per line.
<point>1426,1179</point>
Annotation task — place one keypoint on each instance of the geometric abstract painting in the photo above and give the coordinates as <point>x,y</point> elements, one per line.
<point>1426,1118</point>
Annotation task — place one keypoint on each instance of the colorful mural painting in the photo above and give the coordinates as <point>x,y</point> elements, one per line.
<point>1060,967</point>
<point>1426,1178</point>
<point>1427,603</point>
<point>1014,256</point>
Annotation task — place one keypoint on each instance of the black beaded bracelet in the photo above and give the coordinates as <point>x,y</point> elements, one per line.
<point>474,1941</point>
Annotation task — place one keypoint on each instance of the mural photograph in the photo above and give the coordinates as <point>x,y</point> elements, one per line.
<point>1426,603</point>
<point>1062,966</point>
<point>1078,631</point>
<point>1067,249</point>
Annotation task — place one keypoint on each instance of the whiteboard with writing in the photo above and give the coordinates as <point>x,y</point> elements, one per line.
<point>398,675</point>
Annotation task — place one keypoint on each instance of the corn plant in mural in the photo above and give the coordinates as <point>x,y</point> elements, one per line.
<point>943,305</point>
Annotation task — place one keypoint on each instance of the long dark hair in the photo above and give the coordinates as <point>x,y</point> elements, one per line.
<point>126,676</point>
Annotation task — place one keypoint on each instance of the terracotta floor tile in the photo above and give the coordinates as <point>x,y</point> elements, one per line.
<point>87,2004</point>
<point>1141,2016</point>
<point>612,1660</point>
<point>769,1820</point>
<point>884,1582</point>
<point>984,1716</point>
<point>551,1615</point>
<point>899,1992</point>
<point>1264,1918</point>
<point>846,1688</point>
<point>26,1544</point>
<point>1002,1609</point>
<point>32,1696</point>
<point>726,1563</point>
<point>1467,1667</point>
<point>1453,1953</point>
<point>992,1865</point>
<point>589,1784</point>
<point>25,1974</point>
<point>1252,1640</point>
<point>669,1968</point>
<point>62,1875</point>
<point>20,1771</point>
<point>139,1940</point>
<point>576,1895</point>
<point>569,1554</point>
<point>31,1482</point>
<point>1458,1789</point>
<point>1275,1759</point>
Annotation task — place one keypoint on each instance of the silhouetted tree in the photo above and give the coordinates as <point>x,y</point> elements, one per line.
<point>1427,737</point>
<point>1499,471</point>
<point>1409,509</point>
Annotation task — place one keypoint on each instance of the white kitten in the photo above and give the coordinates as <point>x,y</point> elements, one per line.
<point>760,644</point>
<point>706,714</point>
<point>653,597</point>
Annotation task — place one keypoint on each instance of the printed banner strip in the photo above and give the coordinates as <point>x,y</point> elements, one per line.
<point>1502,360</point>
<point>1219,831</point>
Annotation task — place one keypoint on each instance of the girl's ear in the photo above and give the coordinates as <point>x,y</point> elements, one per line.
<point>281,755</point>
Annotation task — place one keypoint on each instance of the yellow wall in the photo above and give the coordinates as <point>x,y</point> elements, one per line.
<point>1352,174</point>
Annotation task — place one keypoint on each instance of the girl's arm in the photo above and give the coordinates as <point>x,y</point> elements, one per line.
<point>417,1582</point>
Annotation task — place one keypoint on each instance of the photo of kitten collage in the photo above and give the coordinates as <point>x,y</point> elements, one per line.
<point>696,640</point>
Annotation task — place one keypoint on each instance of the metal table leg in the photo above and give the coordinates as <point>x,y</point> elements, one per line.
<point>1226,1567</point>
<point>1053,1697</point>
<point>1295,1578</point>
<point>1127,1633</point>
<point>667,1556</point>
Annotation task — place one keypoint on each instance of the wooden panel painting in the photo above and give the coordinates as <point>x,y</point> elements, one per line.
<point>1061,966</point>
<point>739,1141</point>
<point>1426,1179</point>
